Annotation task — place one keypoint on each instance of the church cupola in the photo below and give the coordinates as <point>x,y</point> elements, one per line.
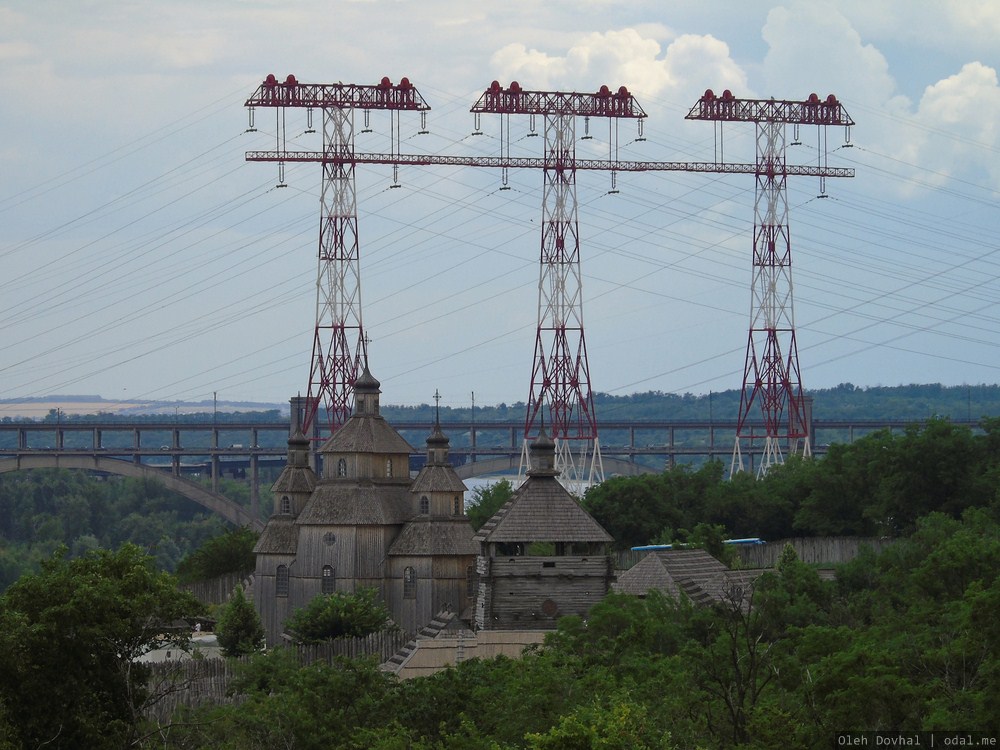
<point>437,441</point>
<point>366,392</point>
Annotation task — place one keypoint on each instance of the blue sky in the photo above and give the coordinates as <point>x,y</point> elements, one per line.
<point>144,258</point>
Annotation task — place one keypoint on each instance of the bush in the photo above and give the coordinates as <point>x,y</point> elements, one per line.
<point>332,616</point>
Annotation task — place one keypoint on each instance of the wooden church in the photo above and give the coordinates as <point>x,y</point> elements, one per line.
<point>366,523</point>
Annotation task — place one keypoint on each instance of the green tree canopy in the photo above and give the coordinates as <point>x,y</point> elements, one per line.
<point>330,616</point>
<point>239,629</point>
<point>70,637</point>
<point>231,552</point>
<point>487,500</point>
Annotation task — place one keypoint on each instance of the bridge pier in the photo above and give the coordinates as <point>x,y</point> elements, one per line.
<point>254,484</point>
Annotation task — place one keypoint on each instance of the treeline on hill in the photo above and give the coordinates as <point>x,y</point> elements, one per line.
<point>843,402</point>
<point>44,509</point>
<point>880,485</point>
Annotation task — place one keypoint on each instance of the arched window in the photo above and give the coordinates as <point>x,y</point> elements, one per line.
<point>458,506</point>
<point>342,468</point>
<point>286,505</point>
<point>281,581</point>
<point>470,581</point>
<point>329,580</point>
<point>388,467</point>
<point>425,506</point>
<point>409,583</point>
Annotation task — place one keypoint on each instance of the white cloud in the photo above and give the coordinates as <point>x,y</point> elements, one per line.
<point>815,49</point>
<point>957,118</point>
<point>690,64</point>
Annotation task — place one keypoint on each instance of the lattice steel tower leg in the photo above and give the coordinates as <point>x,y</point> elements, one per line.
<point>771,377</point>
<point>560,374</point>
<point>339,348</point>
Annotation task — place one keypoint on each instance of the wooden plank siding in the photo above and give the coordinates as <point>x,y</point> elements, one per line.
<point>441,583</point>
<point>520,592</point>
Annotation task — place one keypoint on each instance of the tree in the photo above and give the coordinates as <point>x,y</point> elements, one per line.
<point>488,500</point>
<point>231,552</point>
<point>240,631</point>
<point>330,616</point>
<point>70,638</point>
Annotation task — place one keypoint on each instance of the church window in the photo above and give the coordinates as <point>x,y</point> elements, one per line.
<point>329,580</point>
<point>425,505</point>
<point>458,506</point>
<point>470,581</point>
<point>409,583</point>
<point>388,467</point>
<point>342,467</point>
<point>286,505</point>
<point>281,581</point>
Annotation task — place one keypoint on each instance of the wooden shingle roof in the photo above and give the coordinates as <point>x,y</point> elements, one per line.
<point>436,478</point>
<point>279,537</point>
<point>344,503</point>
<point>297,475</point>
<point>366,433</point>
<point>294,479</point>
<point>692,572</point>
<point>435,536</point>
<point>541,510</point>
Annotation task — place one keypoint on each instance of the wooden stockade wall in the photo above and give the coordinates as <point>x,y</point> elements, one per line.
<point>195,682</point>
<point>219,590</point>
<point>832,550</point>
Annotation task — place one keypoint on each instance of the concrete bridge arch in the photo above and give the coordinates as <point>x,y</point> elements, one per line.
<point>222,506</point>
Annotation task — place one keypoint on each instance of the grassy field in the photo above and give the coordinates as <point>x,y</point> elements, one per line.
<point>38,409</point>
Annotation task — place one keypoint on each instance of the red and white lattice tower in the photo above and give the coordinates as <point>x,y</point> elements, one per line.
<point>560,373</point>
<point>340,351</point>
<point>772,380</point>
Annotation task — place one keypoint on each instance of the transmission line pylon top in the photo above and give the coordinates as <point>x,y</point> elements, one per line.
<point>772,379</point>
<point>560,379</point>
<point>340,348</point>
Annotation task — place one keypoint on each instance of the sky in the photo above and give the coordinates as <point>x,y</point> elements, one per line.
<point>144,258</point>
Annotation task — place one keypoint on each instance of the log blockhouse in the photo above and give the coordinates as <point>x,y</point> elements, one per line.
<point>541,555</point>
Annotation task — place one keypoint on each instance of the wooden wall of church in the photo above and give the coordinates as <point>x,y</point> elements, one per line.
<point>440,581</point>
<point>273,609</point>
<point>356,553</point>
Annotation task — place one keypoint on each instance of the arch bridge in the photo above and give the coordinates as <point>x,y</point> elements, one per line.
<point>212,501</point>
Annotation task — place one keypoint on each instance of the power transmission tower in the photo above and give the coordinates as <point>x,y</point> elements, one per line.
<point>560,375</point>
<point>772,379</point>
<point>560,372</point>
<point>340,350</point>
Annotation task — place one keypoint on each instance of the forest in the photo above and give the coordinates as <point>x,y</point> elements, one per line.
<point>45,509</point>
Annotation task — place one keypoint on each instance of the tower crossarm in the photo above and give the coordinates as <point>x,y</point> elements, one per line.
<point>292,93</point>
<point>727,108</point>
<point>516,101</point>
<point>510,162</point>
